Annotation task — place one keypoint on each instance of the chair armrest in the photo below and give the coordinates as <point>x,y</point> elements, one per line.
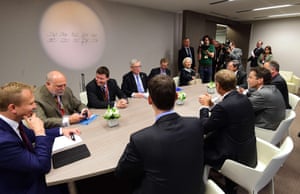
<point>296,80</point>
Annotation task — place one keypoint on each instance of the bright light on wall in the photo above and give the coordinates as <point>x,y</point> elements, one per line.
<point>72,35</point>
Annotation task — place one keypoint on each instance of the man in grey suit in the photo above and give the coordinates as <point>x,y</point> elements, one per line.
<point>266,99</point>
<point>56,104</point>
<point>167,157</point>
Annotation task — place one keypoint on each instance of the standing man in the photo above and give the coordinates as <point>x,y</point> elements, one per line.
<point>186,51</point>
<point>56,104</point>
<point>230,127</point>
<point>235,53</point>
<point>163,69</point>
<point>206,53</point>
<point>23,165</point>
<point>266,99</point>
<point>102,91</point>
<point>134,83</point>
<point>256,53</point>
<point>278,81</point>
<point>167,157</point>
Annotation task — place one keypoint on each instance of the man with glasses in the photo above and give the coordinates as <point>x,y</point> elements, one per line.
<point>56,103</point>
<point>134,83</point>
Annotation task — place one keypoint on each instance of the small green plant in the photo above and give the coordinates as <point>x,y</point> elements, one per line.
<point>111,113</point>
<point>211,84</point>
<point>181,96</point>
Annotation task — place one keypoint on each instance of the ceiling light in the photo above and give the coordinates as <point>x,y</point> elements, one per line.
<point>282,15</point>
<point>272,7</point>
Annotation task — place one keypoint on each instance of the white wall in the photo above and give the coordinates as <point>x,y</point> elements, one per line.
<point>283,36</point>
<point>131,32</point>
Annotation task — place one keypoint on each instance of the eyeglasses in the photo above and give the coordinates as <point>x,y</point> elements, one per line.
<point>136,66</point>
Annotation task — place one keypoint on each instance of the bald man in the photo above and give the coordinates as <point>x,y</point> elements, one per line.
<point>56,104</point>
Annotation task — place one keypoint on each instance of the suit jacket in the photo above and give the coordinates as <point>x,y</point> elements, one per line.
<point>241,78</point>
<point>229,131</point>
<point>257,52</point>
<point>48,110</point>
<point>280,84</point>
<point>165,158</point>
<point>183,54</point>
<point>156,71</point>
<point>96,95</point>
<point>185,77</point>
<point>21,171</point>
<point>269,107</point>
<point>129,85</point>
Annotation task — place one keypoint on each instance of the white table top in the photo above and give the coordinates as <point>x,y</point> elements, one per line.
<point>107,144</point>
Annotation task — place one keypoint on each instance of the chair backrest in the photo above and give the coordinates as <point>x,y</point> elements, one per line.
<point>276,136</point>
<point>212,188</point>
<point>83,97</point>
<point>275,164</point>
<point>293,100</point>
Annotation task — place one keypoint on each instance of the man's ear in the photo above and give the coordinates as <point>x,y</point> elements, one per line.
<point>150,100</point>
<point>176,96</point>
<point>11,108</point>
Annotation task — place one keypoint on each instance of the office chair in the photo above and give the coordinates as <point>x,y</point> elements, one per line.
<point>269,160</point>
<point>293,100</point>
<point>275,137</point>
<point>212,188</point>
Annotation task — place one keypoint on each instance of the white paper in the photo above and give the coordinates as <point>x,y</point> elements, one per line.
<point>63,142</point>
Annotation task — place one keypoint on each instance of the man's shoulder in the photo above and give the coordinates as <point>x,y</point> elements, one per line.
<point>127,75</point>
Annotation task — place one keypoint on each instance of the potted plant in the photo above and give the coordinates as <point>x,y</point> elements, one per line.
<point>211,87</point>
<point>181,96</point>
<point>112,116</point>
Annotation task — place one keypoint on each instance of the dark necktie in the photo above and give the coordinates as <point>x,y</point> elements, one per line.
<point>105,93</point>
<point>24,137</point>
<point>60,105</point>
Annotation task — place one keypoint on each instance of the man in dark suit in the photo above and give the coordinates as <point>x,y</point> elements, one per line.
<point>167,157</point>
<point>22,165</point>
<point>186,51</point>
<point>102,91</point>
<point>278,81</point>
<point>134,83</point>
<point>241,76</point>
<point>230,127</point>
<point>266,99</point>
<point>255,54</point>
<point>163,69</point>
<point>56,104</point>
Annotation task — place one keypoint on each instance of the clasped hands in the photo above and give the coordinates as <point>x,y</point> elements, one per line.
<point>205,100</point>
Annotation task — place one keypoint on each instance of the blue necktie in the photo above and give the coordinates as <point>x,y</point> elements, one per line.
<point>139,84</point>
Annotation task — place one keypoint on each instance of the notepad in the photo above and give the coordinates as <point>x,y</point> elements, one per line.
<point>63,143</point>
<point>89,120</point>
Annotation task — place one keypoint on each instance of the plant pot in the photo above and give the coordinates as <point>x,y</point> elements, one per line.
<point>112,122</point>
<point>180,102</point>
<point>211,90</point>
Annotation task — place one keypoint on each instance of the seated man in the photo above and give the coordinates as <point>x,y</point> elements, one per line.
<point>166,157</point>
<point>56,104</point>
<point>134,83</point>
<point>266,99</point>
<point>241,76</point>
<point>230,127</point>
<point>163,69</point>
<point>25,153</point>
<point>278,81</point>
<point>102,91</point>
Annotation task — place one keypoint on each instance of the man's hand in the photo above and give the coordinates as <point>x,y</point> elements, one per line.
<point>70,131</point>
<point>122,103</point>
<point>205,100</point>
<point>35,124</point>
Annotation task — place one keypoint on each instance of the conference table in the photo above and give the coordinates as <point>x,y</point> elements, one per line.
<point>106,144</point>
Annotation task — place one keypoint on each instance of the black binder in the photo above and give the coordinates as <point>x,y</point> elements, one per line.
<point>68,156</point>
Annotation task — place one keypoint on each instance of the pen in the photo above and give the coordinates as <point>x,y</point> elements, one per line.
<point>72,136</point>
